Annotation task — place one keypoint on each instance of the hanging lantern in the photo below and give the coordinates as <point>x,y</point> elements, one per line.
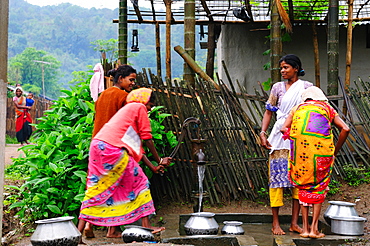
<point>135,41</point>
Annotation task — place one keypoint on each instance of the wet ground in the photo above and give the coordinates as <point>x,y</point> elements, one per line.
<point>257,232</point>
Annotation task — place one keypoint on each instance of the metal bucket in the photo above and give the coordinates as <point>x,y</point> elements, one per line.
<point>201,223</point>
<point>352,226</point>
<point>57,232</point>
<point>137,233</point>
<point>339,209</point>
<point>232,228</point>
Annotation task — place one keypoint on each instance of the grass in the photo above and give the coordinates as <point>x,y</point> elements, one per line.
<point>10,140</point>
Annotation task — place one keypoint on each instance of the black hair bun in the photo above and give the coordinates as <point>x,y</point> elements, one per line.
<point>112,72</point>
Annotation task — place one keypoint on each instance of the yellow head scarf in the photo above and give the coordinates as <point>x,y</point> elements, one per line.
<point>141,95</point>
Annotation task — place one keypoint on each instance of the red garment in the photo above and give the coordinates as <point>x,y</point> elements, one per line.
<point>109,102</point>
<point>127,128</point>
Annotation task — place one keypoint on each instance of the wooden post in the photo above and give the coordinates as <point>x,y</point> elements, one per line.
<point>275,43</point>
<point>189,39</point>
<point>211,46</point>
<point>194,65</point>
<point>4,20</point>
<point>349,52</point>
<point>168,38</point>
<point>122,32</point>
<point>158,48</point>
<point>316,54</point>
<point>333,47</point>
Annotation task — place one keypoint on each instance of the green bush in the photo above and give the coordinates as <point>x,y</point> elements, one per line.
<point>56,165</point>
<point>356,175</point>
<point>164,141</point>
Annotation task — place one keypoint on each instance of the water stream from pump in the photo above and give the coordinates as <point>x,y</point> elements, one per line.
<point>201,171</point>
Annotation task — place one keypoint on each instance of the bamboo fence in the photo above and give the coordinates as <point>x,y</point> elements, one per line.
<point>236,165</point>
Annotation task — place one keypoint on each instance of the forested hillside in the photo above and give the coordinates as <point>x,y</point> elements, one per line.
<point>66,31</point>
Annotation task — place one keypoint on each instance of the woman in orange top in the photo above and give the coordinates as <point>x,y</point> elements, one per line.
<point>114,98</point>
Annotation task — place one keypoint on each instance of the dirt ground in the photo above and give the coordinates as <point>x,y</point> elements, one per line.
<point>14,233</point>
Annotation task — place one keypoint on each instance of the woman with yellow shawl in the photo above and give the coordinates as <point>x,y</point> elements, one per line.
<point>117,189</point>
<point>312,154</point>
<point>23,118</point>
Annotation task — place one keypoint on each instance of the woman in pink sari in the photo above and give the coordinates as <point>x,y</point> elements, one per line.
<point>117,188</point>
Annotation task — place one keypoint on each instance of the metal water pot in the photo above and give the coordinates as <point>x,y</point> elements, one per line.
<point>351,226</point>
<point>56,231</point>
<point>232,228</point>
<point>201,223</point>
<point>339,209</point>
<point>137,233</point>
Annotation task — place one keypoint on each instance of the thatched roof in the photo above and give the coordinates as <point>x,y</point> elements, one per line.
<point>300,11</point>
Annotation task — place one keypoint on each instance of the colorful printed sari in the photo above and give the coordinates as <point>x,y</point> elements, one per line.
<point>312,150</point>
<point>23,120</point>
<point>117,188</point>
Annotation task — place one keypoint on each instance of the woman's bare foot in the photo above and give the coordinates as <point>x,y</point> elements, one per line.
<point>305,235</point>
<point>89,233</point>
<point>114,232</point>
<point>316,235</point>
<point>295,228</point>
<point>277,231</point>
<point>157,229</point>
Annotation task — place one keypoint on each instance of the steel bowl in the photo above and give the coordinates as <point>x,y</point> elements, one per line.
<point>339,209</point>
<point>201,223</point>
<point>137,233</point>
<point>232,228</point>
<point>351,226</point>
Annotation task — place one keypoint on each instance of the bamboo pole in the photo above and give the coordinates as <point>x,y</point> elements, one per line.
<point>189,39</point>
<point>333,47</point>
<point>211,46</point>
<point>122,32</point>
<point>275,43</point>
<point>316,54</point>
<point>168,39</point>
<point>194,66</point>
<point>349,53</point>
<point>158,49</point>
<point>4,20</point>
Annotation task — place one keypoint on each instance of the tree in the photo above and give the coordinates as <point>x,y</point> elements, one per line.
<point>29,73</point>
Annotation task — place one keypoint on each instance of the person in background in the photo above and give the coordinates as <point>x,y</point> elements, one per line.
<point>308,127</point>
<point>23,118</point>
<point>283,97</point>
<point>117,188</point>
<point>113,98</point>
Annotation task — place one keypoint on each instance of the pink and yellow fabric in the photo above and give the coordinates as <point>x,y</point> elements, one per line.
<point>312,150</point>
<point>141,95</point>
<point>117,189</point>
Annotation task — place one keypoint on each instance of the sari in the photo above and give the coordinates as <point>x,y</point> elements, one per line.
<point>117,188</point>
<point>312,150</point>
<point>23,120</point>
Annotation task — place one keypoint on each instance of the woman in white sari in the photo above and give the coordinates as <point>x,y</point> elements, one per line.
<point>283,97</point>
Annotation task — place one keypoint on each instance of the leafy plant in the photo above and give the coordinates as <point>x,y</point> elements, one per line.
<point>57,163</point>
<point>10,140</point>
<point>334,187</point>
<point>164,141</point>
<point>356,175</point>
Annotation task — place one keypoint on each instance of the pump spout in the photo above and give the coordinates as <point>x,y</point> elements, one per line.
<point>200,157</point>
